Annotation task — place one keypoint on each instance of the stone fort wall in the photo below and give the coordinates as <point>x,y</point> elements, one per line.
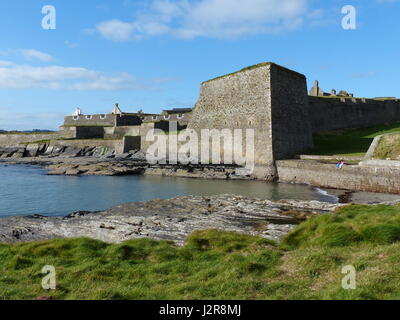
<point>91,120</point>
<point>13,140</point>
<point>360,178</point>
<point>291,129</point>
<point>268,98</point>
<point>328,114</point>
<point>106,120</point>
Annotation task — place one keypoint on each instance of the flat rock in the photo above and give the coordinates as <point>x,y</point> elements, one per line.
<point>172,219</point>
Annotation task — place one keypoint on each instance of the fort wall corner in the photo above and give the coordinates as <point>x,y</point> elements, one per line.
<point>267,98</point>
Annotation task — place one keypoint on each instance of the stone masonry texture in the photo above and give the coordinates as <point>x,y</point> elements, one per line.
<point>268,98</point>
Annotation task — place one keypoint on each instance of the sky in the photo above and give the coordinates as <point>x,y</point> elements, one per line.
<point>152,55</point>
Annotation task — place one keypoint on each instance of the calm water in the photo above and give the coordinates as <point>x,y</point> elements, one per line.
<point>28,190</point>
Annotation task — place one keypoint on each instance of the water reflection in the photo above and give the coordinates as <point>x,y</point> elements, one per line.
<point>28,190</point>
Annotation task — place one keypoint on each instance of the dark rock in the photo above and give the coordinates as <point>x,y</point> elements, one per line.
<point>109,155</point>
<point>123,156</point>
<point>103,226</point>
<point>139,156</point>
<point>72,152</point>
<point>32,150</point>
<point>18,232</point>
<point>79,214</point>
<point>36,216</point>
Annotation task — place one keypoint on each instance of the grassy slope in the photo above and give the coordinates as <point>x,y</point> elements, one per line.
<point>354,142</point>
<point>388,147</point>
<point>220,265</point>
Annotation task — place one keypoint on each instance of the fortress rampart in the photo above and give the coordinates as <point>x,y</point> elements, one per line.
<point>268,98</point>
<point>13,140</point>
<point>329,114</point>
<point>103,120</point>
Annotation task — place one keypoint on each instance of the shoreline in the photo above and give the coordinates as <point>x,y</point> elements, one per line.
<point>77,160</point>
<point>120,166</point>
<point>169,219</point>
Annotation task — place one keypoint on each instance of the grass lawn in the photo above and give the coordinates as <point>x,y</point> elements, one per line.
<point>220,265</point>
<point>354,142</point>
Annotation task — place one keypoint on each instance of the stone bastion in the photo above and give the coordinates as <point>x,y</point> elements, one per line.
<point>267,98</point>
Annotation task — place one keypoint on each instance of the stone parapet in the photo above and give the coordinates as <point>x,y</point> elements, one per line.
<point>351,177</point>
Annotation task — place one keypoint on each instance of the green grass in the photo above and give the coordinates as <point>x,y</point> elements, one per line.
<point>220,265</point>
<point>86,125</point>
<point>83,139</point>
<point>26,133</point>
<point>350,225</point>
<point>388,147</point>
<point>45,141</point>
<point>354,142</point>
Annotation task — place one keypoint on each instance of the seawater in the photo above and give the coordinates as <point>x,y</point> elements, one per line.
<point>27,190</point>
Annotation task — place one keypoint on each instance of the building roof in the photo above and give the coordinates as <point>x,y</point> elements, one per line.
<point>116,109</point>
<point>178,110</point>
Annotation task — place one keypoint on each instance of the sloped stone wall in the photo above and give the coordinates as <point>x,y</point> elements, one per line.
<point>291,127</point>
<point>268,98</point>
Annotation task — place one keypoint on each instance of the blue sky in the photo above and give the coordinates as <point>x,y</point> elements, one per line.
<point>153,54</point>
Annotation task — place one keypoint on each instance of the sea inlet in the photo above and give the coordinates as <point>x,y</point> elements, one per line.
<point>28,190</point>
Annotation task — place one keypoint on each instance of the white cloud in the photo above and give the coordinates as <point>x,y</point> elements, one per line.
<point>116,30</point>
<point>208,18</point>
<point>6,63</point>
<point>31,54</point>
<point>16,76</point>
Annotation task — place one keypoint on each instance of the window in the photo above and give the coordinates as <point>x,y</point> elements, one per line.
<point>75,118</point>
<point>103,116</point>
<point>88,117</point>
<point>155,117</point>
<point>166,117</point>
<point>180,116</point>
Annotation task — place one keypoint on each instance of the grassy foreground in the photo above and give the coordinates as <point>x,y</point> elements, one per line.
<point>220,265</point>
<point>353,142</point>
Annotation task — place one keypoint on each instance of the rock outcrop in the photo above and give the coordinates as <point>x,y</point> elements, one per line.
<point>172,219</point>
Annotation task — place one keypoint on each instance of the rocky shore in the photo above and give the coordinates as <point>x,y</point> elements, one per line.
<point>97,161</point>
<point>90,166</point>
<point>172,219</point>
